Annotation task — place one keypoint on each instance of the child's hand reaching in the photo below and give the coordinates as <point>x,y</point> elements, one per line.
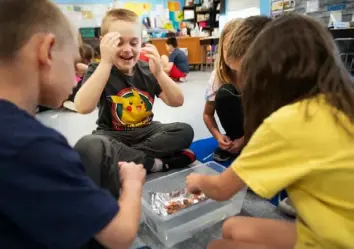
<point>224,142</point>
<point>108,46</point>
<point>154,59</point>
<point>192,183</point>
<point>236,146</point>
<point>132,173</point>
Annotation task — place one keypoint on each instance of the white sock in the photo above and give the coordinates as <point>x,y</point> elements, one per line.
<point>158,165</point>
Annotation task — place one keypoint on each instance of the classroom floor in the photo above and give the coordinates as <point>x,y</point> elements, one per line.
<point>73,126</point>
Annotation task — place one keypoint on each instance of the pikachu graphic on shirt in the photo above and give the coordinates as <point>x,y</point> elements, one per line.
<point>134,110</point>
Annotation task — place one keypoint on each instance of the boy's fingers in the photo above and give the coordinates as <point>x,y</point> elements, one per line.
<point>149,50</point>
<point>107,37</point>
<point>114,40</point>
<point>151,56</point>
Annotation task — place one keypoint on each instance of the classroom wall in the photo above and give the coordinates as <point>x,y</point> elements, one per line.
<point>322,13</point>
<point>264,7</point>
<point>89,13</point>
<point>239,9</point>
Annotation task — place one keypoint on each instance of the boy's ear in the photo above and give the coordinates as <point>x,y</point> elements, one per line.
<point>101,37</point>
<point>46,44</point>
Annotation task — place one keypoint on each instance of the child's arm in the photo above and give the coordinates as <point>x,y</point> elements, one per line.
<point>210,122</point>
<point>220,188</point>
<point>121,231</point>
<point>171,93</point>
<point>89,94</point>
<point>209,119</point>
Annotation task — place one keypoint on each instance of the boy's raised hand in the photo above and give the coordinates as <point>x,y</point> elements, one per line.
<point>154,59</point>
<point>108,47</point>
<point>131,173</point>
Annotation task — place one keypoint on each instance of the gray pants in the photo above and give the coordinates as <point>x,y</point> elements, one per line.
<point>101,151</point>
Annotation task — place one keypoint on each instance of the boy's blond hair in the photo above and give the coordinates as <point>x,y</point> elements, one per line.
<point>118,14</point>
<point>223,72</point>
<point>242,37</point>
<point>21,19</point>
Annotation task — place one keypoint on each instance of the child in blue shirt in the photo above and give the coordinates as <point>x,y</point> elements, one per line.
<point>47,200</point>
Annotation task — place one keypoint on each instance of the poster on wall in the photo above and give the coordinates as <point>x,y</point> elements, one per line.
<point>87,15</point>
<point>312,6</point>
<point>289,5</point>
<point>277,5</point>
<point>139,8</point>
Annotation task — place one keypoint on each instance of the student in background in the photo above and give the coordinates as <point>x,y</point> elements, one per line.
<point>176,64</point>
<point>87,54</point>
<point>220,85</point>
<point>47,200</point>
<point>124,89</point>
<point>298,103</point>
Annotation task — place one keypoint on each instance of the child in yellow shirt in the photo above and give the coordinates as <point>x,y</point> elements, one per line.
<point>298,103</point>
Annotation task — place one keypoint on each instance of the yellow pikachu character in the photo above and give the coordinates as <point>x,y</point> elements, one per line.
<point>134,108</point>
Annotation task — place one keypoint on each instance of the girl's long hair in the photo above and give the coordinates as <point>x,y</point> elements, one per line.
<point>294,58</point>
<point>223,71</point>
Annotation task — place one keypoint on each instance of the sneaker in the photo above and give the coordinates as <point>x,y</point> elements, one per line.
<point>221,155</point>
<point>287,207</point>
<point>69,105</point>
<point>182,79</point>
<point>179,161</point>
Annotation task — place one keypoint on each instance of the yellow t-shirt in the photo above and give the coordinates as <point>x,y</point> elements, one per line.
<point>312,157</point>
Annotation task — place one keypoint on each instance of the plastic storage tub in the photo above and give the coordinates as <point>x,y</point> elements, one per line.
<point>182,225</point>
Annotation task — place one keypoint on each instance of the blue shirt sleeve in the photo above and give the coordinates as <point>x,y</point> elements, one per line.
<point>45,192</point>
<point>172,56</point>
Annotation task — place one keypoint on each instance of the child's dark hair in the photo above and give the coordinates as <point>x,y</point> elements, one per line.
<point>243,36</point>
<point>294,58</point>
<point>87,53</point>
<point>172,41</point>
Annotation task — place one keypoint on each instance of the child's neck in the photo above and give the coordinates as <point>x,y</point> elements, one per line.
<point>20,94</point>
<point>128,72</point>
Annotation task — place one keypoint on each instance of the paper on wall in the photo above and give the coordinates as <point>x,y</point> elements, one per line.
<point>312,6</point>
<point>159,9</point>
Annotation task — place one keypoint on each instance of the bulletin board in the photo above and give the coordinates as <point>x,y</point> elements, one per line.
<point>85,15</point>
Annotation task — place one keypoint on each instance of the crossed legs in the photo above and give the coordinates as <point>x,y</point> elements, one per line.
<point>256,233</point>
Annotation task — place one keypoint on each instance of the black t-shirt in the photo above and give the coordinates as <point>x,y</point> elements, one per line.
<point>46,201</point>
<point>126,101</point>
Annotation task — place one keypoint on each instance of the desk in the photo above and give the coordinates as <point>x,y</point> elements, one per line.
<point>191,43</point>
<point>209,40</point>
<point>195,45</point>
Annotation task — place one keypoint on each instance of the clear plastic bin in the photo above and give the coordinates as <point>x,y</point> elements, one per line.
<point>182,225</point>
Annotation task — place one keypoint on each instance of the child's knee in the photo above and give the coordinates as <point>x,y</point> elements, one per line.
<point>188,132</point>
<point>213,245</point>
<point>236,228</point>
<point>91,145</point>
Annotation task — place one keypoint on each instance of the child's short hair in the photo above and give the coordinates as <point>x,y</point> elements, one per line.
<point>87,53</point>
<point>21,19</point>
<point>223,72</point>
<point>118,14</point>
<point>172,41</point>
<point>244,35</point>
<point>294,58</point>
